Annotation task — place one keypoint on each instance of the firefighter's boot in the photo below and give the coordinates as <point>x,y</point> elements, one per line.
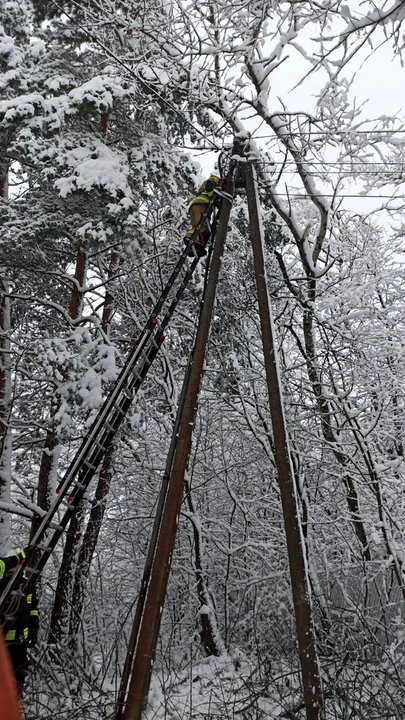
<point>199,244</point>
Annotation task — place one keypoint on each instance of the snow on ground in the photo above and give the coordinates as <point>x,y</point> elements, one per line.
<point>215,688</point>
<point>210,689</point>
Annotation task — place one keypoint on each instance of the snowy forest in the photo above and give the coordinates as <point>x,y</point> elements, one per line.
<point>111,115</point>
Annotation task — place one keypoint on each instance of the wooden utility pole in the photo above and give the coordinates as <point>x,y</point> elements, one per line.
<point>151,553</point>
<point>159,575</point>
<point>311,680</point>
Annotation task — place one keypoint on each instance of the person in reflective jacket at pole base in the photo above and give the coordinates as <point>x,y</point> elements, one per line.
<point>23,631</point>
<point>197,207</point>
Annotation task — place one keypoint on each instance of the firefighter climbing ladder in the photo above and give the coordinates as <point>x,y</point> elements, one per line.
<point>105,426</point>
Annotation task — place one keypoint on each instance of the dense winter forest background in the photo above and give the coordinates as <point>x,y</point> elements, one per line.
<point>105,110</point>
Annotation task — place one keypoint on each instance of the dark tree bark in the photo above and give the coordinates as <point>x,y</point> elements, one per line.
<point>92,531</point>
<point>73,575</point>
<point>88,546</point>
<point>47,469</point>
<point>50,451</point>
<point>209,634</point>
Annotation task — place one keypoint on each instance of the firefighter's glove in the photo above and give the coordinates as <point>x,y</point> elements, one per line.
<point>24,555</point>
<point>33,639</point>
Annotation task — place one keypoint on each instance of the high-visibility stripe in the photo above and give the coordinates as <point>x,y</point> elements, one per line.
<point>34,612</point>
<point>29,599</point>
<point>2,568</point>
<point>11,635</point>
<point>202,198</point>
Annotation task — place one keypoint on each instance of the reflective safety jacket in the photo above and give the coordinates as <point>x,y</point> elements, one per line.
<point>206,191</point>
<point>8,563</point>
<point>24,628</point>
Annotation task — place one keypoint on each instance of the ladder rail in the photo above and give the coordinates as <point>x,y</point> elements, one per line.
<point>98,452</point>
<point>112,398</point>
<point>126,386</point>
<point>97,455</point>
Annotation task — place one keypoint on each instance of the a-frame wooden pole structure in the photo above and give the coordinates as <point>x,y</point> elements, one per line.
<point>148,625</point>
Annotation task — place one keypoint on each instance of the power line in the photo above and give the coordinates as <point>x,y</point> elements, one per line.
<point>347,165</point>
<point>215,146</point>
<point>317,133</point>
<point>339,162</point>
<point>323,133</point>
<point>303,196</point>
<point>211,142</point>
<point>347,173</point>
<point>351,165</point>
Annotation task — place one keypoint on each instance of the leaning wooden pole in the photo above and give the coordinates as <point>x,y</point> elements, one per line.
<point>159,575</point>
<point>311,680</point>
<point>151,554</point>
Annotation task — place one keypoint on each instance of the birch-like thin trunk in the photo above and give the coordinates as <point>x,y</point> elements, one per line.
<point>210,636</point>
<point>5,387</point>
<point>73,576</point>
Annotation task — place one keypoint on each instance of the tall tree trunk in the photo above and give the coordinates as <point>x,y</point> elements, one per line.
<point>99,503</point>
<point>324,410</point>
<point>211,640</point>
<point>48,471</point>
<point>51,447</point>
<point>72,579</point>
<point>5,386</point>
<point>88,546</point>
<point>60,610</point>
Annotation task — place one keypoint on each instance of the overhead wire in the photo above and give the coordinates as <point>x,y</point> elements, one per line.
<point>211,142</point>
<point>323,133</point>
<point>303,196</point>
<point>349,173</point>
<point>290,163</point>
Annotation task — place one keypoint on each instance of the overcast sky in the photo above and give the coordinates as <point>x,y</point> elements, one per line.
<point>378,85</point>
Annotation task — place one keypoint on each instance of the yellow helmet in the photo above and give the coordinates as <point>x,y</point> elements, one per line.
<point>211,183</point>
